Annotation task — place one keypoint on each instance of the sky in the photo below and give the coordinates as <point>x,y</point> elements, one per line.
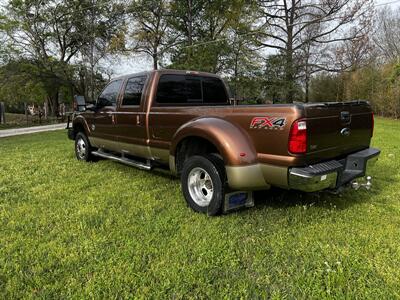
<point>126,65</point>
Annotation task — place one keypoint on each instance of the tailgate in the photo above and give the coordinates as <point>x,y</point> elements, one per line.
<point>338,128</point>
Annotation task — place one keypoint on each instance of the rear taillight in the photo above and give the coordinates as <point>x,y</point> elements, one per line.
<point>373,124</point>
<point>298,137</point>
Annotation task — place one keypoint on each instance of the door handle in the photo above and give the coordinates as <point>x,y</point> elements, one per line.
<point>137,120</point>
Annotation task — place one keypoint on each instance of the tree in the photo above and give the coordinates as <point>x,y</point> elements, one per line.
<point>18,86</point>
<point>185,21</point>
<point>327,86</point>
<point>46,33</point>
<point>206,31</point>
<point>53,35</point>
<point>387,36</point>
<point>292,25</point>
<point>102,29</point>
<point>151,33</point>
<point>243,58</point>
<point>3,51</point>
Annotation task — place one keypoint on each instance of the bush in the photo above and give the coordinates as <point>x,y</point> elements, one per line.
<point>380,85</point>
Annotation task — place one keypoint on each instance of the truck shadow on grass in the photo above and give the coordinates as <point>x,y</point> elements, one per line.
<point>279,198</point>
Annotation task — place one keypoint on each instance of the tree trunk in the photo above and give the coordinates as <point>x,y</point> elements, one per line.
<point>289,77</point>
<point>289,72</point>
<point>2,113</point>
<point>46,108</point>
<point>155,60</point>
<point>236,73</point>
<point>307,79</point>
<point>307,97</point>
<point>53,101</point>
<point>190,29</point>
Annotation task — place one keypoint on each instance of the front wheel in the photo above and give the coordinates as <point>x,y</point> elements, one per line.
<point>203,183</point>
<point>82,147</point>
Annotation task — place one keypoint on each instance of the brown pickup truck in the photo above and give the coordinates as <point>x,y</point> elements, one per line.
<point>184,121</point>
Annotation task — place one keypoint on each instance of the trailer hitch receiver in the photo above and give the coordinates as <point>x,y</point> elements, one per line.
<point>367,185</point>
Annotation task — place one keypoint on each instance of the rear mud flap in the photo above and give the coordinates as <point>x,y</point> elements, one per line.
<point>236,200</point>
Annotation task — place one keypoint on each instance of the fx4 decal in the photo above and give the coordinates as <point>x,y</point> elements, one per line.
<point>268,123</point>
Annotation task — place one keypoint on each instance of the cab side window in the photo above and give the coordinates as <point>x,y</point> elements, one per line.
<point>193,90</point>
<point>110,94</point>
<point>214,91</point>
<point>133,90</point>
<point>190,90</point>
<point>171,89</point>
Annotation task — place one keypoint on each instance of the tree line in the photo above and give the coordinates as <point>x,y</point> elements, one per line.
<point>269,51</point>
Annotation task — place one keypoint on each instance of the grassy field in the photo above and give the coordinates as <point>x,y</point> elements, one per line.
<point>105,230</point>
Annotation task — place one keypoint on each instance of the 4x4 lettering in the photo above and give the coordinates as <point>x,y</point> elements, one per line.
<point>267,123</point>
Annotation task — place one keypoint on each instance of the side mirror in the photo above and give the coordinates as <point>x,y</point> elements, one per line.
<point>79,103</point>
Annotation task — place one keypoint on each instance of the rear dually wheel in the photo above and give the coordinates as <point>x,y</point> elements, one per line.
<point>203,183</point>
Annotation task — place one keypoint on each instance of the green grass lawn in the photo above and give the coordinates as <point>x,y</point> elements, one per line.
<point>105,230</point>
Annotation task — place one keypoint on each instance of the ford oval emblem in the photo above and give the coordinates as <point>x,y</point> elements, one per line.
<point>345,131</point>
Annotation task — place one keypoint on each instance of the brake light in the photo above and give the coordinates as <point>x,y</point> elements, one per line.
<point>298,137</point>
<point>373,124</point>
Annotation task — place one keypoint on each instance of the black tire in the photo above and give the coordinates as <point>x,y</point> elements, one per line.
<point>85,153</point>
<point>215,169</point>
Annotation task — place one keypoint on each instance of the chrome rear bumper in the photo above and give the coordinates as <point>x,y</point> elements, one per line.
<point>332,174</point>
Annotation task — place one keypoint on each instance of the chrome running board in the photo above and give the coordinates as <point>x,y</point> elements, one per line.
<point>124,160</point>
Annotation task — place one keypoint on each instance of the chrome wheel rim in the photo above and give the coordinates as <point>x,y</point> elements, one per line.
<point>81,148</point>
<point>200,187</point>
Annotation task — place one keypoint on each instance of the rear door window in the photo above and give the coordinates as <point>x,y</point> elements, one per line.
<point>133,90</point>
<point>193,90</point>
<point>186,89</point>
<point>214,91</point>
<point>171,89</point>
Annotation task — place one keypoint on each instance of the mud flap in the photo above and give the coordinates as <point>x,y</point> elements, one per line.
<point>236,200</point>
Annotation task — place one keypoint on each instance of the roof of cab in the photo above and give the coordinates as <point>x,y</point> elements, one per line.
<point>166,71</point>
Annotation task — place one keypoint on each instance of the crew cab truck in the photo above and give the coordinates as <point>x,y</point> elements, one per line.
<point>184,121</point>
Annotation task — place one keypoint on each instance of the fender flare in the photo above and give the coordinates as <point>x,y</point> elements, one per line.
<point>80,121</point>
<point>232,141</point>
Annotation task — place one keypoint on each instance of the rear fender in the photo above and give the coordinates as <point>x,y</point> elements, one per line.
<point>232,142</point>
